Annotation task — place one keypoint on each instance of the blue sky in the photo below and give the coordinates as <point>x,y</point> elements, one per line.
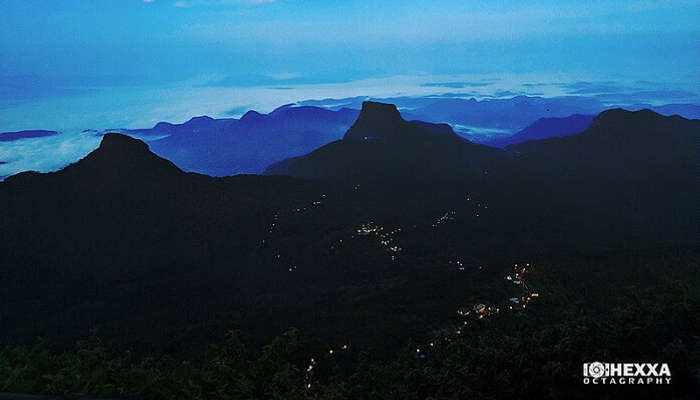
<point>57,45</point>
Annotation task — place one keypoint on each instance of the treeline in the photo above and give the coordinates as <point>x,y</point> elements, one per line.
<point>522,355</point>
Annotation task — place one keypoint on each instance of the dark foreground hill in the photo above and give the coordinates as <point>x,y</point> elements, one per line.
<point>406,229</point>
<point>594,180</point>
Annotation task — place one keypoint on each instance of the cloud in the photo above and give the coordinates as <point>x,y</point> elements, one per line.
<point>456,85</point>
<point>148,1</point>
<point>210,3</point>
<point>593,87</point>
<point>284,76</point>
<point>46,153</point>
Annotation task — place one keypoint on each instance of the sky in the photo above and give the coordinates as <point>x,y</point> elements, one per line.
<point>71,65</point>
<point>53,46</point>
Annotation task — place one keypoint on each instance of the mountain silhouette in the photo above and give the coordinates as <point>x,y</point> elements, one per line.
<point>512,114</point>
<point>474,119</point>
<point>118,158</point>
<point>547,127</point>
<point>376,121</point>
<point>624,174</point>
<point>159,259</point>
<point>381,144</point>
<point>127,156</point>
<point>129,227</point>
<point>618,134</point>
<point>229,146</point>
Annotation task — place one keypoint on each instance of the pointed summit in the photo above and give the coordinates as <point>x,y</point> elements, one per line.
<point>376,121</point>
<point>119,160</point>
<point>122,156</point>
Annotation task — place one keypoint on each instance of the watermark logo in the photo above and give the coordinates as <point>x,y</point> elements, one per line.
<point>595,370</point>
<point>599,373</point>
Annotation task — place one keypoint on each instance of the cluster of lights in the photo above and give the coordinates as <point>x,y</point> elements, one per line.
<point>385,238</point>
<point>480,311</point>
<point>448,216</point>
<point>273,225</point>
<point>309,374</point>
<point>459,264</point>
<point>312,366</point>
<point>517,278</point>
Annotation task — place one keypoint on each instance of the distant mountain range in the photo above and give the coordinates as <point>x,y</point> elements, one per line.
<point>473,118</point>
<point>250,144</point>
<point>221,147</point>
<point>468,115</point>
<point>12,136</point>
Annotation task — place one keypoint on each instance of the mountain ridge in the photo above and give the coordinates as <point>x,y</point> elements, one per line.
<point>644,129</point>
<point>229,146</point>
<point>545,128</point>
<point>381,139</point>
<point>27,134</point>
